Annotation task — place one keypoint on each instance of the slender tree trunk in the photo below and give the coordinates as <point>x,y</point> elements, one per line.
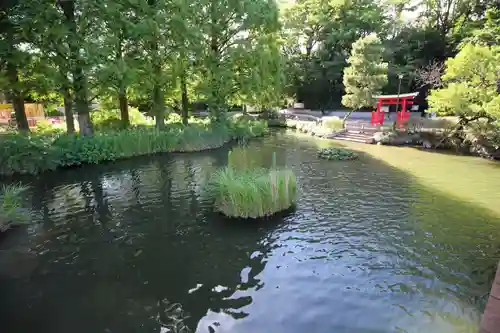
<point>68,110</point>
<point>122,97</point>
<point>17,99</point>
<point>184,99</point>
<point>216,112</point>
<point>348,114</point>
<point>122,93</point>
<point>158,97</point>
<point>15,93</point>
<point>79,79</point>
<point>159,106</point>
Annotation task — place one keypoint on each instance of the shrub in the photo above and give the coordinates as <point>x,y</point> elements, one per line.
<point>11,211</point>
<point>110,119</point>
<point>27,154</point>
<point>174,117</point>
<point>54,113</point>
<point>337,154</point>
<point>242,129</point>
<point>244,191</point>
<point>429,124</point>
<point>45,126</point>
<point>332,123</point>
<point>35,153</point>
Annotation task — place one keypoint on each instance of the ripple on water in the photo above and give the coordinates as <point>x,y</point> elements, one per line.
<point>367,250</point>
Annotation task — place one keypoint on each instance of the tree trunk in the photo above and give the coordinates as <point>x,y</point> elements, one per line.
<point>184,99</point>
<point>84,124</point>
<point>68,110</point>
<point>79,79</point>
<point>122,97</point>
<point>348,114</point>
<point>15,93</point>
<point>122,93</point>
<point>158,106</point>
<point>17,99</point>
<point>158,97</point>
<point>216,100</point>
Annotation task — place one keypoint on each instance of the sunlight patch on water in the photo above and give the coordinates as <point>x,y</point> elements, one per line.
<point>472,179</point>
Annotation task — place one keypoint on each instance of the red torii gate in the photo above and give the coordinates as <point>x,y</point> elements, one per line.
<point>401,99</point>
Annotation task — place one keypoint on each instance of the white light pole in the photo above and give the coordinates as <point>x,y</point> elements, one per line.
<point>400,77</point>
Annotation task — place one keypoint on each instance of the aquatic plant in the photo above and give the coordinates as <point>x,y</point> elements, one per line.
<point>337,154</point>
<point>11,211</point>
<point>250,192</point>
<point>32,154</point>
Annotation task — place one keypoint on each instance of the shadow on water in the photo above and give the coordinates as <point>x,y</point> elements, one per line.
<point>368,249</point>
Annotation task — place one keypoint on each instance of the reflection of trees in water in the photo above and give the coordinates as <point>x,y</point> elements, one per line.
<point>126,238</point>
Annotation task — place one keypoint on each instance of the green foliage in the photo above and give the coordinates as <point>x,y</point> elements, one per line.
<point>110,119</point>
<point>366,75</point>
<point>44,126</point>
<point>317,37</point>
<point>242,191</point>
<point>11,206</point>
<point>241,129</point>
<point>332,123</point>
<point>472,84</point>
<point>489,33</point>
<point>337,154</point>
<point>174,117</point>
<point>36,153</point>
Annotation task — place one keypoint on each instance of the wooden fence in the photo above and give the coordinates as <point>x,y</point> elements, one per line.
<point>33,112</point>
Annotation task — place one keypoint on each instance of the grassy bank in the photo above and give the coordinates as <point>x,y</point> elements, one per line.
<point>11,211</point>
<point>35,153</point>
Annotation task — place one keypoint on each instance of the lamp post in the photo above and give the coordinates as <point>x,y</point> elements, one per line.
<point>400,77</point>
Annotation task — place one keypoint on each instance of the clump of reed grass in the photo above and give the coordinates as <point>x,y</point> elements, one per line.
<point>241,191</point>
<point>11,210</point>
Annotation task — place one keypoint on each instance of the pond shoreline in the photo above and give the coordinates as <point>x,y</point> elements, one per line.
<point>38,153</point>
<point>422,140</point>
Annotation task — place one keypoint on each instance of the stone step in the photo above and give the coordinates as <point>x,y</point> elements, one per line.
<point>356,137</point>
<point>353,139</point>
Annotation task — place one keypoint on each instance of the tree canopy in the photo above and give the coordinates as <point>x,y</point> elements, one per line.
<point>366,75</point>
<point>471,84</point>
<point>175,56</point>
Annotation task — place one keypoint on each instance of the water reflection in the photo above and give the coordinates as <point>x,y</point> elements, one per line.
<point>130,246</point>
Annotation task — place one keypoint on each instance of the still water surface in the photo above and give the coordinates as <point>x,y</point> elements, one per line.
<point>371,247</point>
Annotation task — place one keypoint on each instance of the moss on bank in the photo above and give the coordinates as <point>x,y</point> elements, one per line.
<point>32,154</point>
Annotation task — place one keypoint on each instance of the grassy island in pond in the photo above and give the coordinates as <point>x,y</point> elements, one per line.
<point>11,211</point>
<point>252,192</point>
<point>337,154</point>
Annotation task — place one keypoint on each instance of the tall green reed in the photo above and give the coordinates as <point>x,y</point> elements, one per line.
<point>11,207</point>
<point>242,189</point>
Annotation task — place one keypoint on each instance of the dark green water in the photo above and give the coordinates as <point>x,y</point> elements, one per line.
<point>368,249</point>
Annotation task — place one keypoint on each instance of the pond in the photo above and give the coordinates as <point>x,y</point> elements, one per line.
<point>398,241</point>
